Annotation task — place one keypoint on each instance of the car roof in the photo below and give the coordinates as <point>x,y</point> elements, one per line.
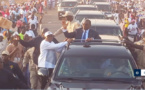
<point>98,50</point>
<point>86,6</point>
<point>101,3</point>
<point>89,12</point>
<point>103,22</point>
<point>69,1</point>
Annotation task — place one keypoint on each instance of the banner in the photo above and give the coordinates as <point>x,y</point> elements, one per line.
<point>5,23</point>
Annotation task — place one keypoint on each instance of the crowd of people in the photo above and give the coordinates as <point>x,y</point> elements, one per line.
<point>20,44</point>
<point>28,58</point>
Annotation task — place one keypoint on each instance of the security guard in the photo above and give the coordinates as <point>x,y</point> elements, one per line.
<point>12,67</point>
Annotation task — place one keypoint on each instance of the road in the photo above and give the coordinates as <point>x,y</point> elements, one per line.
<point>50,21</point>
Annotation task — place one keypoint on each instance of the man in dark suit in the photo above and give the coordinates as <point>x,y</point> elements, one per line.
<point>84,33</point>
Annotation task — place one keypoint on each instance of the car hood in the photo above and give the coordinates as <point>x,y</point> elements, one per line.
<point>97,86</point>
<point>110,37</point>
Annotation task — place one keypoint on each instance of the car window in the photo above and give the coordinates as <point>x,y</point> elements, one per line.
<point>104,7</point>
<point>83,8</point>
<point>94,67</point>
<point>68,4</point>
<point>98,0</point>
<point>113,31</point>
<point>81,17</point>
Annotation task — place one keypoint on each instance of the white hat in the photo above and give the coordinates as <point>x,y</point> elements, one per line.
<point>67,13</point>
<point>29,34</point>
<point>48,33</point>
<point>15,33</point>
<point>1,34</point>
<point>5,53</point>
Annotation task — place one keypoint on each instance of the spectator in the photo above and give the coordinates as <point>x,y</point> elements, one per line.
<point>132,31</point>
<point>28,59</point>
<point>12,67</point>
<point>16,50</point>
<point>3,43</point>
<point>35,42</point>
<point>8,81</point>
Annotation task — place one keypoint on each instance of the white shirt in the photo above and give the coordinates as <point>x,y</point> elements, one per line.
<point>3,46</point>
<point>47,57</point>
<point>32,33</point>
<point>132,29</point>
<point>34,21</point>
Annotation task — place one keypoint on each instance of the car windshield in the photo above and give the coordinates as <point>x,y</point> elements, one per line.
<point>81,17</point>
<point>113,31</point>
<point>94,67</point>
<point>68,4</point>
<point>103,7</point>
<point>98,0</point>
<point>83,8</point>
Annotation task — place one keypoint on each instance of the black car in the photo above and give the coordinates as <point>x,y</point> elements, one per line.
<point>107,29</point>
<point>103,6</point>
<point>93,66</point>
<point>66,5</point>
<point>81,14</point>
<point>83,7</point>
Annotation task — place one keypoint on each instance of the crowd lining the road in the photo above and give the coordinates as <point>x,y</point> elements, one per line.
<point>27,57</point>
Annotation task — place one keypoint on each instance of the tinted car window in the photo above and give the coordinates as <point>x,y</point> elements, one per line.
<point>82,8</point>
<point>113,31</point>
<point>94,67</point>
<point>104,7</point>
<point>98,0</point>
<point>68,4</point>
<point>81,17</point>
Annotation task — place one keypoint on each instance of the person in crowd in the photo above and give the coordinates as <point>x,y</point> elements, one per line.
<point>72,23</point>
<point>139,49</point>
<point>132,31</point>
<point>35,42</point>
<point>3,43</point>
<point>28,59</point>
<point>33,21</point>
<point>12,67</point>
<point>16,50</point>
<point>21,34</point>
<point>47,58</point>
<point>32,31</point>
<point>84,33</point>
<point>8,81</point>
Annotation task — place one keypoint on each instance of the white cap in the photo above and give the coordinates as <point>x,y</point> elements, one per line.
<point>5,53</point>
<point>29,34</point>
<point>48,33</point>
<point>67,13</point>
<point>15,33</point>
<point>1,34</point>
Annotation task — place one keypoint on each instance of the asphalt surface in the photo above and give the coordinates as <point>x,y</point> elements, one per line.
<point>50,21</point>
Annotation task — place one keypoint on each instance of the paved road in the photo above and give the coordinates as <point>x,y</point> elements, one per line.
<point>51,21</point>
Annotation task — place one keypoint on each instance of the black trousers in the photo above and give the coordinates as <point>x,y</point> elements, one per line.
<point>45,79</point>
